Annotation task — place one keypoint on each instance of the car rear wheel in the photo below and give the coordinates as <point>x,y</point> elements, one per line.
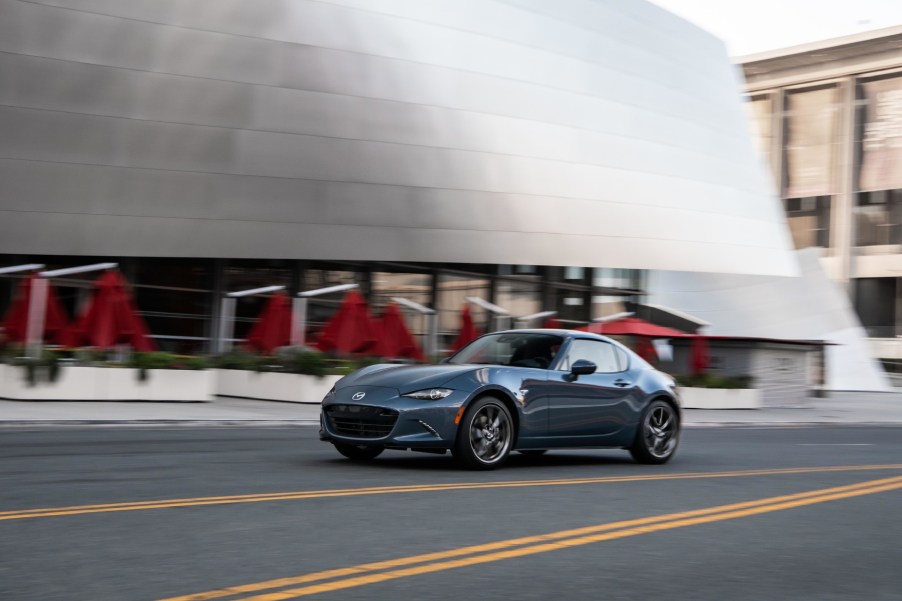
<point>658,434</point>
<point>358,452</point>
<point>485,435</point>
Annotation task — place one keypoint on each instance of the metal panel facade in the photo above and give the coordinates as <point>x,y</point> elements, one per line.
<point>568,133</point>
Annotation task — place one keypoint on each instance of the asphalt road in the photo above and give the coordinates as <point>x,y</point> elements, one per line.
<point>125,514</point>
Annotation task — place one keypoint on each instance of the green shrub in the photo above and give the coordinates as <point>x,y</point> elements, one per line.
<point>9,352</point>
<point>310,363</point>
<point>155,360</point>
<point>45,368</point>
<point>193,362</point>
<point>241,360</point>
<point>295,360</point>
<point>160,360</point>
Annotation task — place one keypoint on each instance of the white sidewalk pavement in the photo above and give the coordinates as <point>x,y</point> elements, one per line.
<point>863,408</point>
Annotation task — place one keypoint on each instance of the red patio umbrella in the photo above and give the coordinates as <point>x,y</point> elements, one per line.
<point>395,340</point>
<point>273,328</point>
<point>633,326</point>
<point>468,331</point>
<point>698,355</point>
<point>552,323</point>
<point>16,322</point>
<point>350,330</point>
<point>646,350</point>
<point>110,319</point>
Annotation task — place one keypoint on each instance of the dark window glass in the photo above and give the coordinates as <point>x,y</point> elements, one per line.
<point>878,218</point>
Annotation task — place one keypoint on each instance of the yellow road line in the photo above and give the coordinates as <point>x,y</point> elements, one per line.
<point>363,574</point>
<point>349,492</point>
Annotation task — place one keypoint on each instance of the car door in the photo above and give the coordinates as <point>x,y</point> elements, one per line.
<point>594,406</point>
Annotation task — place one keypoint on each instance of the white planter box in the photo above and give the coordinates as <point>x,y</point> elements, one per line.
<point>719,398</point>
<point>182,384</point>
<point>73,384</point>
<point>109,384</point>
<point>266,386</point>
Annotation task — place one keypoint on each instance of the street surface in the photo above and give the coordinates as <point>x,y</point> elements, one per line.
<point>133,514</point>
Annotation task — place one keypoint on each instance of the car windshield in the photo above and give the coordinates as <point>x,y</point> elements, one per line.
<point>511,348</point>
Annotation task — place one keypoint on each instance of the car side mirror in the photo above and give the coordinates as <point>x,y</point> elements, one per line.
<point>581,367</point>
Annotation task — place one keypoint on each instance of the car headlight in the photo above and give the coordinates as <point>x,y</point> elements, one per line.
<point>330,394</point>
<point>430,394</point>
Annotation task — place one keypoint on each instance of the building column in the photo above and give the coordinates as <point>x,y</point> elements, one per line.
<point>842,208</point>
<point>217,291</point>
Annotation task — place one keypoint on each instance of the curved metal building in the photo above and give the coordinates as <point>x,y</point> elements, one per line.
<point>584,133</point>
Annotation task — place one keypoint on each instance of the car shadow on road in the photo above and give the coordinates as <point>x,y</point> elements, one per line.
<point>413,461</point>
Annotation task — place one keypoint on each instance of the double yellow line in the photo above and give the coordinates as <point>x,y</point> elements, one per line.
<point>371,573</point>
<point>22,514</point>
<point>417,488</point>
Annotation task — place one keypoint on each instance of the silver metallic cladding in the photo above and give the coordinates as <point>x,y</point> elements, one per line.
<point>580,133</point>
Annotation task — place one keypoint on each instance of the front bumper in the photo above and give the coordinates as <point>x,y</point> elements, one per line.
<point>389,420</point>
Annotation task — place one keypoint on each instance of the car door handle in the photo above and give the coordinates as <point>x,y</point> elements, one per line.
<point>621,383</point>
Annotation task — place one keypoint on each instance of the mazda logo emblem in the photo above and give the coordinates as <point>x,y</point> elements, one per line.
<point>358,395</point>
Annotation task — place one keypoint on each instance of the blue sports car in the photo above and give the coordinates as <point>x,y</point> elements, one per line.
<point>519,390</point>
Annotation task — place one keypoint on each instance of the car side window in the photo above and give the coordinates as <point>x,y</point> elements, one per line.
<point>604,355</point>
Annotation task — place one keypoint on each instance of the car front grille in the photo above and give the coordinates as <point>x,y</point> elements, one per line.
<point>361,421</point>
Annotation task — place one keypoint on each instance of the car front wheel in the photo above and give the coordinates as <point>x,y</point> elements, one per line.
<point>358,452</point>
<point>485,436</point>
<point>658,435</point>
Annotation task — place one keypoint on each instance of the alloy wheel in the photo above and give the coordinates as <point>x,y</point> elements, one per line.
<point>490,433</point>
<point>660,431</point>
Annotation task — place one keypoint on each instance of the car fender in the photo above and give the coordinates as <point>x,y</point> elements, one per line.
<point>486,381</point>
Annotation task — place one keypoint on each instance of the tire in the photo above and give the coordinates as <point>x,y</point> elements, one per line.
<point>485,435</point>
<point>533,452</point>
<point>358,452</point>
<point>658,434</point>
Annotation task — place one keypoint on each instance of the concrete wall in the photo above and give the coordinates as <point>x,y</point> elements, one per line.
<point>782,374</point>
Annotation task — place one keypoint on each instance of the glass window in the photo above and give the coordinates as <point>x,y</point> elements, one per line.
<point>452,292</point>
<point>519,296</point>
<point>320,309</point>
<point>518,350</point>
<point>811,130</point>
<point>809,220</point>
<point>574,273</point>
<point>247,274</point>
<point>416,287</point>
<point>173,295</point>
<point>878,134</point>
<point>878,218</point>
<point>602,354</point>
<point>876,300</point>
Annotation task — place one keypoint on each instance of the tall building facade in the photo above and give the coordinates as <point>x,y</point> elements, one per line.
<point>828,119</point>
<point>538,155</point>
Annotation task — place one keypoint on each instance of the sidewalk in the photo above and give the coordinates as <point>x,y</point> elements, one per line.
<point>861,408</point>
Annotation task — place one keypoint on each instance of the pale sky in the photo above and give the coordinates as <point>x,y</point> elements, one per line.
<point>751,27</point>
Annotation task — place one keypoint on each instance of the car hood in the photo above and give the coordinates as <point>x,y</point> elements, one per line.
<point>405,378</point>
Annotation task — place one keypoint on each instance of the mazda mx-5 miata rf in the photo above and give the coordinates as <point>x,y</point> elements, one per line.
<point>519,390</point>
